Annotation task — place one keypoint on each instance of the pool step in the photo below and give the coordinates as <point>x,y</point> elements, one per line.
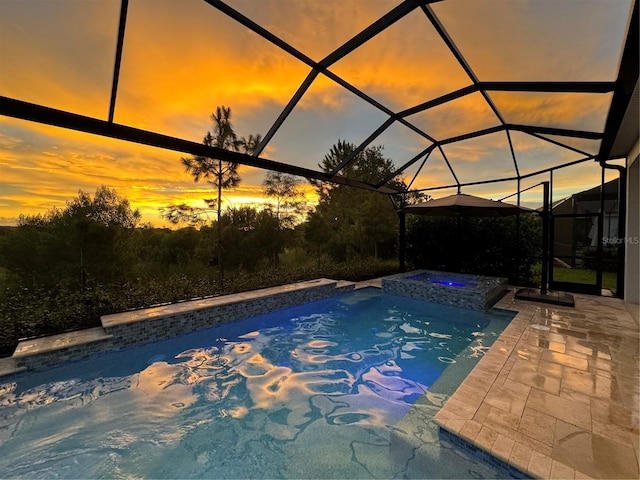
<point>8,366</point>
<point>374,282</point>
<point>48,351</point>
<point>51,343</point>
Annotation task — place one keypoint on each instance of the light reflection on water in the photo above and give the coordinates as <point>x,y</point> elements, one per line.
<point>297,394</point>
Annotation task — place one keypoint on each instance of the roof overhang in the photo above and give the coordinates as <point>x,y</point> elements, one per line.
<point>622,129</point>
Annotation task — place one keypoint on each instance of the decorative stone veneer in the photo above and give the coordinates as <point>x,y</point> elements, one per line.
<point>135,327</point>
<point>158,323</point>
<point>475,292</point>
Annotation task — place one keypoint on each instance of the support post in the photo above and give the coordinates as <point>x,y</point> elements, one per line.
<point>518,256</point>
<point>402,240</point>
<point>600,244</point>
<point>116,69</point>
<point>544,281</point>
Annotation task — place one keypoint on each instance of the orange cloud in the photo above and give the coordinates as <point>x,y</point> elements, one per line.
<point>521,40</point>
<point>560,110</point>
<point>406,64</point>
<point>182,59</point>
<point>316,28</point>
<point>463,115</point>
<point>41,169</point>
<point>180,63</point>
<point>66,67</point>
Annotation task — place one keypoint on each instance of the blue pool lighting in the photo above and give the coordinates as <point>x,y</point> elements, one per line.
<point>450,284</point>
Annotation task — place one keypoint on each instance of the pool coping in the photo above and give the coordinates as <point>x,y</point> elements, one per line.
<point>495,414</point>
<point>133,316</point>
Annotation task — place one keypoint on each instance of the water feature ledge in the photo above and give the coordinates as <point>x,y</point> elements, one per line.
<point>476,292</point>
<point>122,330</point>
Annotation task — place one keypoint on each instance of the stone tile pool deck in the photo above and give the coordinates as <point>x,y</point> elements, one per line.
<point>557,395</point>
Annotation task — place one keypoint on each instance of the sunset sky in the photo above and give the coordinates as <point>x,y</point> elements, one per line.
<point>182,58</point>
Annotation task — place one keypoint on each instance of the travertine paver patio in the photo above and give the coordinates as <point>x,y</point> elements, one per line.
<point>557,395</point>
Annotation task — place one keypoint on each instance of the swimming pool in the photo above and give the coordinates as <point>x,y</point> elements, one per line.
<point>329,389</point>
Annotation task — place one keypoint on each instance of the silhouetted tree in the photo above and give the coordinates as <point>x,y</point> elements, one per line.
<point>215,171</point>
<point>359,222</point>
<point>82,237</point>
<point>290,203</point>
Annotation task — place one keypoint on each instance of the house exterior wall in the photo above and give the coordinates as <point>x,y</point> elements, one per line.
<point>632,257</point>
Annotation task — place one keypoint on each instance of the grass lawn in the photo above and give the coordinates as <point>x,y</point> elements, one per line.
<point>577,275</point>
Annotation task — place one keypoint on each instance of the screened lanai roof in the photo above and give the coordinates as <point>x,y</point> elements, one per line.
<point>458,91</point>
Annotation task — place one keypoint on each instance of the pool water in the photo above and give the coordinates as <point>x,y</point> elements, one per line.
<point>340,388</point>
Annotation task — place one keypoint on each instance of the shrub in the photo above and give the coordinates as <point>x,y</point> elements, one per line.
<point>30,312</point>
<point>484,246</point>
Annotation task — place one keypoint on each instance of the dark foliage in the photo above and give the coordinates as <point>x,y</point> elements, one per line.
<point>487,246</point>
<point>609,258</point>
<point>349,223</point>
<point>63,270</point>
<point>36,311</point>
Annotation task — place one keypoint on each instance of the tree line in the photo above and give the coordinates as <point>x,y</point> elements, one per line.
<point>98,239</point>
<point>346,224</point>
<point>64,269</point>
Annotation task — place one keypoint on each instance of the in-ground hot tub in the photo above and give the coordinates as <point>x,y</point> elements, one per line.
<point>476,292</point>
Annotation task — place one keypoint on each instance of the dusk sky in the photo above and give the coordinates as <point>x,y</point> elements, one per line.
<point>182,58</point>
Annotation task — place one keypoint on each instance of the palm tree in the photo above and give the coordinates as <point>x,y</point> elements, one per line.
<point>217,172</point>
